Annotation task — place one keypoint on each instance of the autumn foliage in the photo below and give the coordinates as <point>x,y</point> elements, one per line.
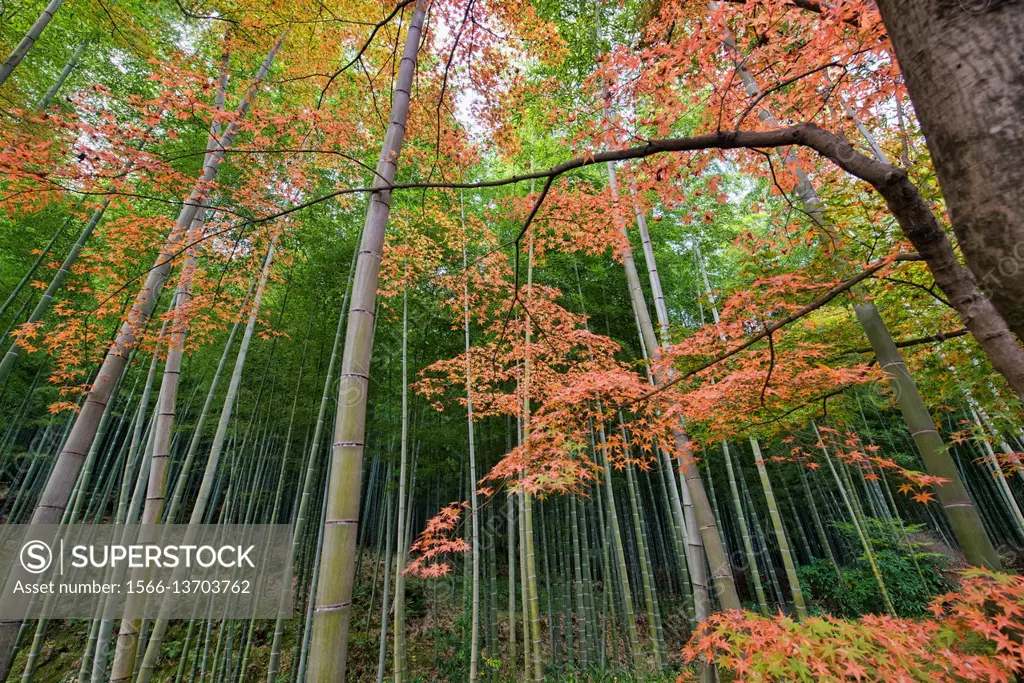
<point>976,635</point>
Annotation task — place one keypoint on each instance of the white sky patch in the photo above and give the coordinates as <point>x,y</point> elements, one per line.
<point>189,36</point>
<point>468,97</point>
<point>120,60</point>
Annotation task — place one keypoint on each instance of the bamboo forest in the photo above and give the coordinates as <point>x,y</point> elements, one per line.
<point>559,340</point>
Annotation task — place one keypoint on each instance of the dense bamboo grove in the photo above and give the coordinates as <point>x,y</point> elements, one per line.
<point>573,340</point>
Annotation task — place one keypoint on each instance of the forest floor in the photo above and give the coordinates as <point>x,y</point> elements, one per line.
<point>437,637</point>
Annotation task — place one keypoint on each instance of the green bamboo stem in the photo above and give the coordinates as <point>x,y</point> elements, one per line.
<point>761,548</point>
<point>998,478</point>
<point>532,592</point>
<point>474,642</point>
<point>797,523</point>
<point>967,526</point>
<point>28,40</point>
<point>590,533</point>
<point>524,603</point>
<point>279,489</point>
<point>329,648</point>
<point>741,521</point>
<point>780,534</point>
<point>312,459</point>
<point>40,258</point>
<point>56,282</point>
<point>553,631</point>
<point>381,658</point>
<point>581,612</point>
<point>202,500</point>
<point>127,639</point>
<point>493,649</point>
<point>403,477</point>
<point>197,433</point>
<point>620,557</point>
<point>642,556</point>
<point>58,488</point>
<point>99,644</point>
<point>678,527</point>
<point>606,603</point>
<point>865,544</point>
<point>379,535</point>
<point>819,528</point>
<point>565,571</point>
<point>307,632</point>
<point>69,66</point>
<point>71,516</point>
<point>510,533</point>
<point>646,572</point>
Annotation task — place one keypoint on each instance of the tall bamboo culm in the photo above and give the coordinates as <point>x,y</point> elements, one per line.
<point>28,40</point>
<point>967,526</point>
<point>55,495</point>
<point>329,646</point>
<point>780,534</point>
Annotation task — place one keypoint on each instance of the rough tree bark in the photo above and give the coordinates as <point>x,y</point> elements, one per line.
<point>963,64</point>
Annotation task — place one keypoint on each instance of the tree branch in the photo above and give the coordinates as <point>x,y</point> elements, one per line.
<point>399,6</point>
<point>843,286</point>
<point>906,343</point>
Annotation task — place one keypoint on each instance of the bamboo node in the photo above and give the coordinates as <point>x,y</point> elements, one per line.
<point>333,608</point>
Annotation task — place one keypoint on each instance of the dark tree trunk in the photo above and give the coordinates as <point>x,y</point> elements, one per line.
<point>964,67</point>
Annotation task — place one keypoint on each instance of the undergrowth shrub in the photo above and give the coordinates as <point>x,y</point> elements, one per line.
<point>974,634</point>
<point>912,575</point>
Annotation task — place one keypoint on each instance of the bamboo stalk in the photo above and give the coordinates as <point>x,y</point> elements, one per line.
<point>780,534</point>
<point>28,40</point>
<point>329,648</point>
<point>865,544</point>
<point>967,526</point>
<point>741,521</point>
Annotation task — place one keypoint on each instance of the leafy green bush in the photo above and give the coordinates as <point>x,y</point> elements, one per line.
<point>912,576</point>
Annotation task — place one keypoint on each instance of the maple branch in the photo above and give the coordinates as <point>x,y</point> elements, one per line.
<point>444,85</point>
<point>191,14</point>
<point>912,213</point>
<point>887,179</point>
<point>517,242</point>
<point>171,256</point>
<point>779,86</point>
<point>373,95</point>
<point>771,366</point>
<point>117,29</point>
<point>399,6</point>
<point>927,290</point>
<point>827,144</point>
<point>843,286</point>
<point>917,341</point>
<point>276,150</point>
<point>728,86</point>
<point>809,6</point>
<point>785,195</point>
<point>824,397</point>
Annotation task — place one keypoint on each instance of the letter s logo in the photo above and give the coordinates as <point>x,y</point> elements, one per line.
<point>36,557</point>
